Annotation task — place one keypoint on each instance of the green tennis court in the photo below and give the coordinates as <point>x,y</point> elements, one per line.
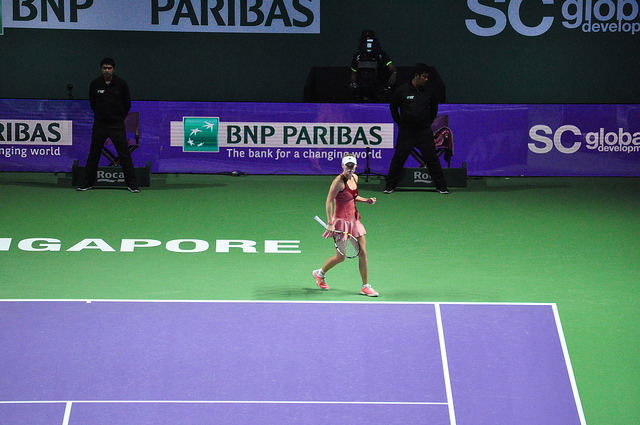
<point>569,241</point>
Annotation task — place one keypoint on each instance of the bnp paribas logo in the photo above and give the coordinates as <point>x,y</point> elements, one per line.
<point>200,134</point>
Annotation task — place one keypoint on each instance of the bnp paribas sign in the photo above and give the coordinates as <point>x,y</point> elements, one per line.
<point>209,134</point>
<point>235,16</point>
<point>492,17</point>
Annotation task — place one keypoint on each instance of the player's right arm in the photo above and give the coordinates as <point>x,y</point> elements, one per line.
<point>336,186</point>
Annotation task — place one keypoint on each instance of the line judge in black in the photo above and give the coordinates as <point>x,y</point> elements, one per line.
<point>414,106</point>
<point>110,101</point>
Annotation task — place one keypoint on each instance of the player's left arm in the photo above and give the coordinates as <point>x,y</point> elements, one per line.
<point>370,201</point>
<point>359,198</point>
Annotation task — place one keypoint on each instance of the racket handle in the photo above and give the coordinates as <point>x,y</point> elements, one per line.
<point>319,220</point>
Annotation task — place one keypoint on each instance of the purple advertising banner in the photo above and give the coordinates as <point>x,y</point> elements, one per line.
<point>303,138</point>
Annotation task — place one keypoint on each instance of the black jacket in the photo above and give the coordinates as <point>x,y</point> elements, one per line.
<point>109,102</point>
<point>414,108</point>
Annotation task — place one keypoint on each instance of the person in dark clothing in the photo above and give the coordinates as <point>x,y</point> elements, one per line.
<point>110,101</point>
<point>372,70</point>
<point>414,106</point>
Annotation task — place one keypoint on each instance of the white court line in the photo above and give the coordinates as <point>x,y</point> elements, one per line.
<point>369,302</point>
<point>67,413</point>
<point>69,403</point>
<point>445,366</point>
<point>567,361</point>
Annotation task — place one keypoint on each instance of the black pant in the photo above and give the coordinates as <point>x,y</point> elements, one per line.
<point>422,139</point>
<point>99,134</point>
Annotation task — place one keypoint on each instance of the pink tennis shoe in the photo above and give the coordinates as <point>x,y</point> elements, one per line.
<point>368,291</point>
<point>322,284</point>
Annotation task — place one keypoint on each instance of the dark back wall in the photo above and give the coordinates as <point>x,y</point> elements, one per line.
<point>559,66</point>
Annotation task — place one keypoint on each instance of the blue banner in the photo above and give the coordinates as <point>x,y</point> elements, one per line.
<point>299,138</point>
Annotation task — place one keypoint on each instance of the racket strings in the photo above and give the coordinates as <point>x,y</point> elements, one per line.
<point>353,248</point>
<point>347,245</point>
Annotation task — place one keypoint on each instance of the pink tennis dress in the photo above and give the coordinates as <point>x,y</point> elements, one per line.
<point>345,216</point>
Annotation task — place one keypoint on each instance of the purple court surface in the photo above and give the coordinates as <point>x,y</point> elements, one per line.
<point>182,362</point>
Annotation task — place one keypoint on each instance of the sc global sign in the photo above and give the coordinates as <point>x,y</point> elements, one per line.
<point>589,16</point>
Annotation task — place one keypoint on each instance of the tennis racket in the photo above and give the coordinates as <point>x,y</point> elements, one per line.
<point>345,243</point>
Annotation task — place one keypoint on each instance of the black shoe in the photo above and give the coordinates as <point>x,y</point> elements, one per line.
<point>134,189</point>
<point>388,190</point>
<point>443,190</point>
<point>84,188</point>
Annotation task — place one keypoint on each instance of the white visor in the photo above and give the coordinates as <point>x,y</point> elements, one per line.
<point>347,159</point>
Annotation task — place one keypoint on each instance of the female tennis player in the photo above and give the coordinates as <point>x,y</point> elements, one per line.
<point>343,194</point>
